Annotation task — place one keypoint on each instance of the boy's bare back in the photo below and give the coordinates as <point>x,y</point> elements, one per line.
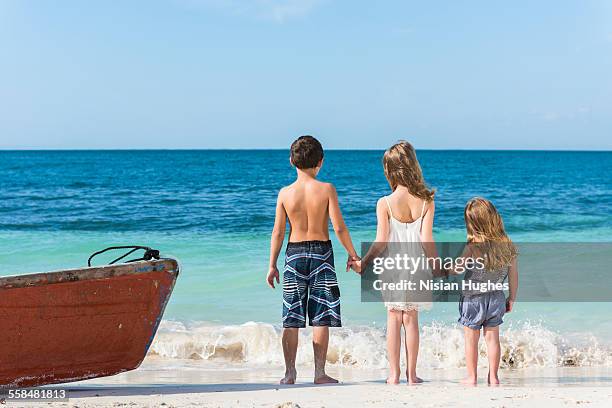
<point>309,205</point>
<point>306,203</point>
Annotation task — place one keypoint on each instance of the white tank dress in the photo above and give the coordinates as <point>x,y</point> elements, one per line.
<point>406,238</point>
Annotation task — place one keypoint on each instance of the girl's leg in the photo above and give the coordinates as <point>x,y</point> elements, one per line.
<point>394,340</point>
<point>471,354</point>
<point>411,327</point>
<point>491,335</point>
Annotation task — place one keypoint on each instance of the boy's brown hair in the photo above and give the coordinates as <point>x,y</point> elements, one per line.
<point>306,152</point>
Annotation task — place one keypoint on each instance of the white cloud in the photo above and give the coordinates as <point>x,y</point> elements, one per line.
<point>584,110</point>
<point>573,113</point>
<point>550,116</point>
<point>273,10</point>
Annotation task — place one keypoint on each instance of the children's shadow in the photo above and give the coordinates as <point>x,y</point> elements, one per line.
<point>169,389</point>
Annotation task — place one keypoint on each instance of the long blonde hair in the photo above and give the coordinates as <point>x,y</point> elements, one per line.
<point>402,168</point>
<point>485,231</point>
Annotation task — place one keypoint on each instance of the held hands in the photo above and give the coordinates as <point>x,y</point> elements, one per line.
<point>354,263</point>
<point>272,275</point>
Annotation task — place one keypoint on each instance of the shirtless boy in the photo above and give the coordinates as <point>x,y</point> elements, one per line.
<point>310,287</point>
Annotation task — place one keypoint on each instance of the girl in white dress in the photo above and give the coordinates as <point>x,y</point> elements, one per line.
<point>405,219</point>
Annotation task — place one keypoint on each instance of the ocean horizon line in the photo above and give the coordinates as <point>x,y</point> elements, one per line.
<point>265,149</point>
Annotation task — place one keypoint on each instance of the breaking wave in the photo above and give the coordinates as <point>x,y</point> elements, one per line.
<point>523,345</point>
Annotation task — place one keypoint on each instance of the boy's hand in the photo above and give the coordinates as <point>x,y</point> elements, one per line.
<point>351,262</point>
<point>272,275</point>
<point>509,305</point>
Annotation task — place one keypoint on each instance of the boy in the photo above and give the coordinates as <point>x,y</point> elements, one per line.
<point>310,286</point>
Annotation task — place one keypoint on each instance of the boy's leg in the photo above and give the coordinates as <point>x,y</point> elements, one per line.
<point>320,342</point>
<point>323,304</point>
<point>491,335</point>
<point>394,342</point>
<point>295,291</point>
<point>290,344</point>
<point>471,354</point>
<point>411,328</point>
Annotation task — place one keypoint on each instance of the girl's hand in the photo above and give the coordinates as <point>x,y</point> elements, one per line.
<point>441,272</point>
<point>273,275</point>
<point>356,266</point>
<point>509,305</point>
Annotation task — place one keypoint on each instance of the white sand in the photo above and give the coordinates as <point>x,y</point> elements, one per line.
<point>345,395</point>
<point>156,385</point>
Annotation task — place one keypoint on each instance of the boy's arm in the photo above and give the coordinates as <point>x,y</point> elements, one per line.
<point>338,223</point>
<point>513,283</point>
<point>276,241</point>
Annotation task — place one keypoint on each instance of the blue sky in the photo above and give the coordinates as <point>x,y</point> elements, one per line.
<point>258,73</point>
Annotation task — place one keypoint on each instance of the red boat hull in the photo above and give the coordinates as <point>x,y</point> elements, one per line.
<point>78,324</point>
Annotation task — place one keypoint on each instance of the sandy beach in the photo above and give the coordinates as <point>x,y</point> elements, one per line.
<point>153,386</point>
<point>348,394</point>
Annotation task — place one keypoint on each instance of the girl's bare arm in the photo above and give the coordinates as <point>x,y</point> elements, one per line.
<point>513,284</point>
<point>429,245</point>
<point>457,269</point>
<point>382,233</point>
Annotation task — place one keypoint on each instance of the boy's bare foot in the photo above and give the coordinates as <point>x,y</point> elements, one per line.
<point>325,379</point>
<point>492,379</point>
<point>289,378</point>
<point>415,380</point>
<point>469,381</point>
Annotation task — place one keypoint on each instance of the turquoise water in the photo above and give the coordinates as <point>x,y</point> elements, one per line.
<point>213,210</point>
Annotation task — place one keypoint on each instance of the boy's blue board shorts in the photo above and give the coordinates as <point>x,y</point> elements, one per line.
<point>310,287</point>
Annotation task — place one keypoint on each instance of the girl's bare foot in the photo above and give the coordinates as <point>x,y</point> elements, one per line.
<point>392,380</point>
<point>469,381</point>
<point>290,375</point>
<point>492,379</point>
<point>325,379</point>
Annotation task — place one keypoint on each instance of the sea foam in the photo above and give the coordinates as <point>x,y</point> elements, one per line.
<point>524,344</point>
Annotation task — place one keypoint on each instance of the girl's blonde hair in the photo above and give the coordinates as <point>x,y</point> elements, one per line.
<point>485,230</point>
<point>402,168</point>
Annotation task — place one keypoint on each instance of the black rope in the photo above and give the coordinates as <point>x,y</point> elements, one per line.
<point>149,253</point>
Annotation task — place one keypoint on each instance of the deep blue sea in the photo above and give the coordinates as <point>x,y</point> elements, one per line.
<point>213,210</point>
<point>550,195</point>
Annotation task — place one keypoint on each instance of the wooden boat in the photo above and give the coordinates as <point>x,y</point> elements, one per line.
<point>83,323</point>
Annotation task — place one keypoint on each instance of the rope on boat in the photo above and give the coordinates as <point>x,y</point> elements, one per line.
<point>149,253</point>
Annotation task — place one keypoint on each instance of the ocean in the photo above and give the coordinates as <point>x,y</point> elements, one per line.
<point>213,211</point>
